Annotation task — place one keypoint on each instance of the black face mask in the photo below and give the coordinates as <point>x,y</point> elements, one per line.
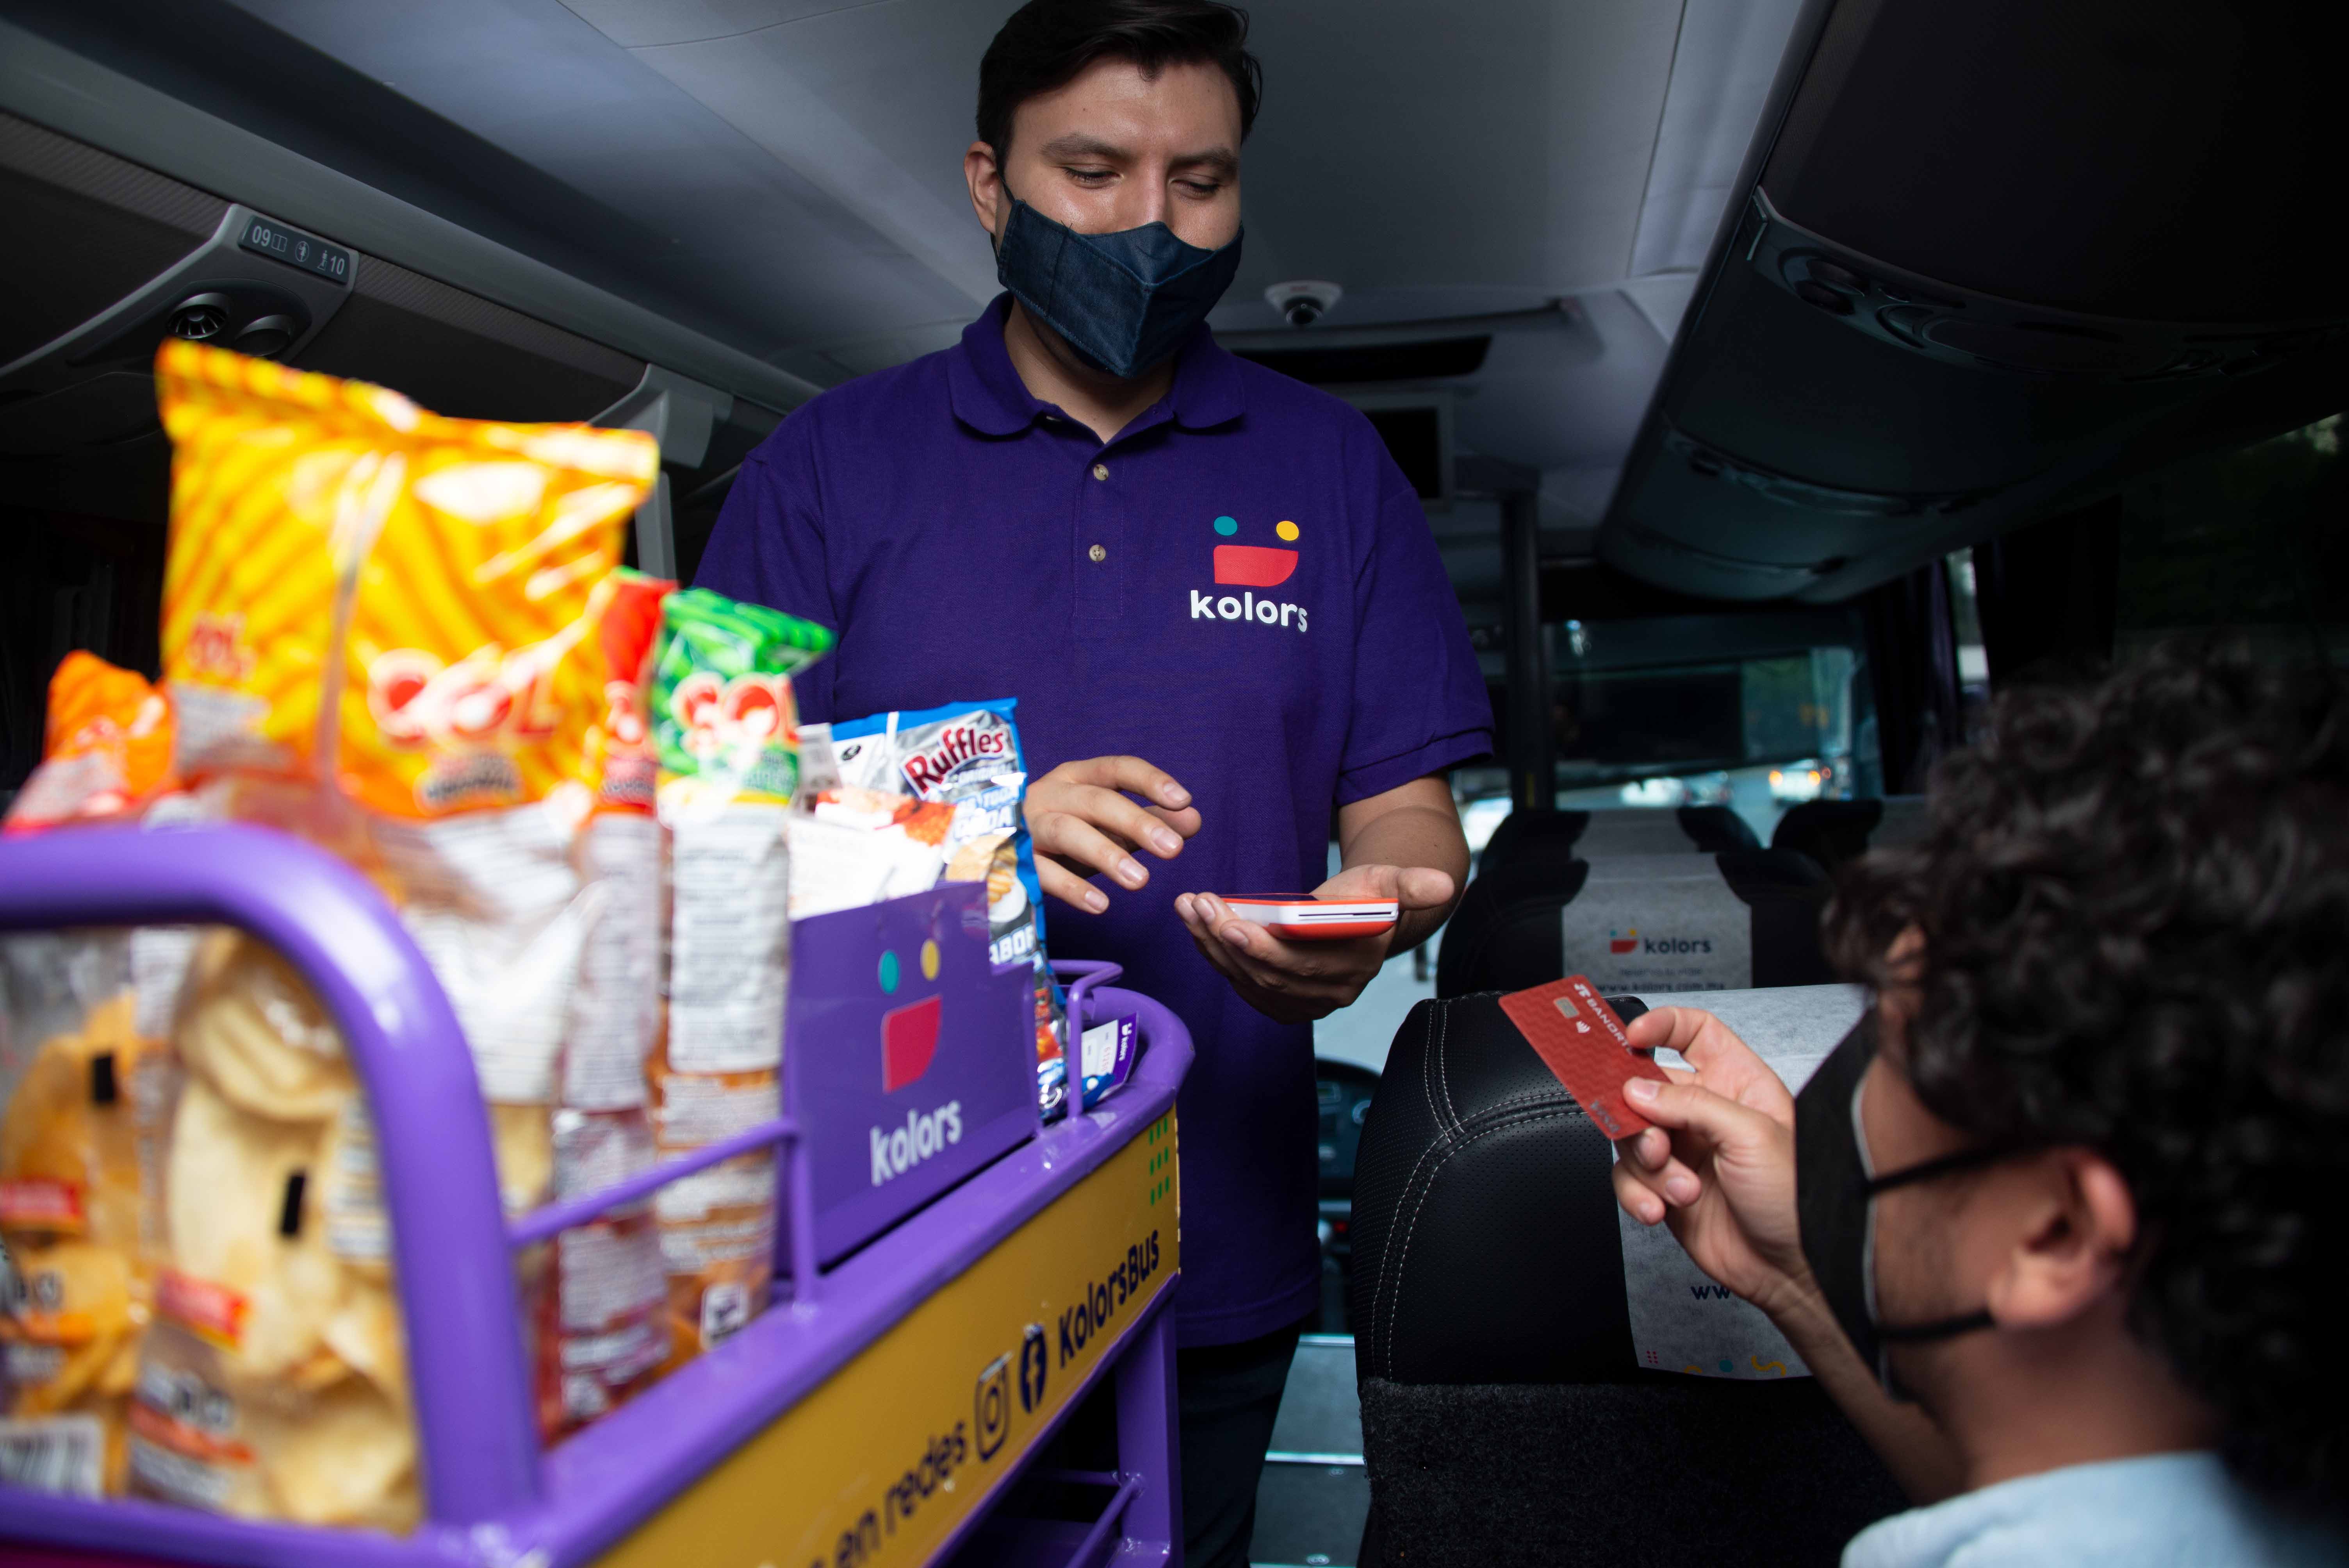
<point>1834,1193</point>
<point>1124,302</point>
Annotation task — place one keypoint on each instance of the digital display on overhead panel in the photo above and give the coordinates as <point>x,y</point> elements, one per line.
<point>296,249</point>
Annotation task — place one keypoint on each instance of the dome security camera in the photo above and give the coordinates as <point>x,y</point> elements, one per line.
<point>1305,300</point>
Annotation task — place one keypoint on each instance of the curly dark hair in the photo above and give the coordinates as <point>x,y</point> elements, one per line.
<point>2134,902</point>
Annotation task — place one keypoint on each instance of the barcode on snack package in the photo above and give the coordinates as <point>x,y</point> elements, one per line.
<point>61,1454</point>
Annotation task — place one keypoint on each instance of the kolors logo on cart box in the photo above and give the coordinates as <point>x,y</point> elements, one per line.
<point>909,1044</point>
<point>901,1149</point>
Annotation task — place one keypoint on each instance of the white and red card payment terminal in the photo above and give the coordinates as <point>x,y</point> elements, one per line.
<point>1301,917</point>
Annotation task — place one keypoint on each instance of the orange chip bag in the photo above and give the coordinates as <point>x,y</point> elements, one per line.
<point>107,748</point>
<point>361,590</point>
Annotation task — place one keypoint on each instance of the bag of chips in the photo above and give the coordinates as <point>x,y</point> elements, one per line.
<point>85,1082</point>
<point>726,725</point>
<point>967,754</point>
<point>605,1332</point>
<point>106,752</point>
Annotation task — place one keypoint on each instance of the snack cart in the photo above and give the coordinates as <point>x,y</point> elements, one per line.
<point>876,1415</point>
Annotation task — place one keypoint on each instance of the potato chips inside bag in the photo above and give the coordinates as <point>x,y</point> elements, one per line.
<point>273,1382</point>
<point>725,727</point>
<point>85,1084</point>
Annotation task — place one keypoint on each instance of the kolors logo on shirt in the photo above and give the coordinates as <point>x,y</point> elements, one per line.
<point>1248,567</point>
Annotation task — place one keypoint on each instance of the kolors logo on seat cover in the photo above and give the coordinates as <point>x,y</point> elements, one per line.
<point>1249,567</point>
<point>1626,941</point>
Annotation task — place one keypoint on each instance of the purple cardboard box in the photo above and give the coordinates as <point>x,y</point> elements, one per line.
<point>907,1058</point>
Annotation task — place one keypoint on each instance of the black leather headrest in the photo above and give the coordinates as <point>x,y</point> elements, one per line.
<point>1715,829</point>
<point>1484,1236</point>
<point>1906,818</point>
<point>1830,832</point>
<point>1522,830</point>
<point>1707,829</point>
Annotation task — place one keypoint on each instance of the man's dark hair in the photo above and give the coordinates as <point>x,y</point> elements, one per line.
<point>1048,43</point>
<point>2135,903</point>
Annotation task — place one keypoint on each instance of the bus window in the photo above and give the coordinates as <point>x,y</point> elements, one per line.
<point>1965,621</point>
<point>1756,733</point>
<point>2250,540</point>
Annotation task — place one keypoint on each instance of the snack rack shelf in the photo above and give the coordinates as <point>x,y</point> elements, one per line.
<point>875,1415</point>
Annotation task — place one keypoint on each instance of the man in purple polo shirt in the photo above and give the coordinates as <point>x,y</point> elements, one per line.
<point>1216,598</point>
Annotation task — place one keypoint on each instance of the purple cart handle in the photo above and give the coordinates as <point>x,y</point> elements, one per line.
<point>472,1388</point>
<point>1082,974</point>
<point>545,1224</point>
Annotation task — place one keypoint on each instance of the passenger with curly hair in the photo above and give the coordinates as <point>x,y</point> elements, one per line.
<point>2062,1225</point>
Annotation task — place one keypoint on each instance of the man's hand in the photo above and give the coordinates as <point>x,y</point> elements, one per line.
<point>1298,982</point>
<point>1723,1173</point>
<point>1083,826</point>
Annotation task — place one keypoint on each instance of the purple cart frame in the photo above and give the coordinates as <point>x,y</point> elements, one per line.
<point>492,1497</point>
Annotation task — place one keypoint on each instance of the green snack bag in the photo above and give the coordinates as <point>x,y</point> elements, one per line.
<point>728,735</point>
<point>722,707</point>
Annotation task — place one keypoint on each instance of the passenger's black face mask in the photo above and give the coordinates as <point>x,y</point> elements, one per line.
<point>1835,1192</point>
<point>1124,302</point>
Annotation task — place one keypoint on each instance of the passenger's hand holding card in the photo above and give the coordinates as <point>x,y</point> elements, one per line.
<point>1579,1039</point>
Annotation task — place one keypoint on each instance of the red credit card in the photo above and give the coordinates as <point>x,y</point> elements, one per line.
<point>1579,1039</point>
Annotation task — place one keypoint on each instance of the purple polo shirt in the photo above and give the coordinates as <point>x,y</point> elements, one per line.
<point>1240,588</point>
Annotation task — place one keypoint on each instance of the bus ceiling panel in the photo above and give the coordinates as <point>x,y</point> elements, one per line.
<point>2245,410</point>
<point>89,228</point>
<point>2153,159</point>
<point>459,354</point>
<point>178,134</point>
<point>603,152</point>
<point>1944,309</point>
<point>1654,555</point>
<point>1777,379</point>
<point>1703,498</point>
<point>255,284</point>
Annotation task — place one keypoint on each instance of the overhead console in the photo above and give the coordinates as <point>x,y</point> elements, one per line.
<point>1988,261</point>
<point>136,215</point>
